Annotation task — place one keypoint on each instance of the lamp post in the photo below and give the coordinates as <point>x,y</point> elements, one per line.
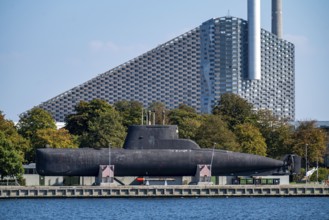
<point>163,117</point>
<point>111,176</point>
<point>142,116</point>
<point>149,116</point>
<point>153,114</point>
<point>109,154</point>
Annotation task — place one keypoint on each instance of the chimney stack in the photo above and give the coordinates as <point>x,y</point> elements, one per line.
<point>254,47</point>
<point>277,18</point>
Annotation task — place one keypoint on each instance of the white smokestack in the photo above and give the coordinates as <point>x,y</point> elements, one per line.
<point>254,48</point>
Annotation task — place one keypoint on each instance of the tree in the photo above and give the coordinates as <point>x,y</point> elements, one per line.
<point>104,131</point>
<point>322,175</point>
<point>97,124</point>
<point>175,116</point>
<point>308,137</point>
<point>11,160</point>
<point>214,132</point>
<point>277,133</point>
<point>250,139</point>
<point>9,130</point>
<point>34,120</point>
<point>130,112</point>
<point>77,123</point>
<point>28,126</point>
<point>12,148</point>
<point>279,141</point>
<point>187,120</point>
<point>234,110</point>
<point>189,127</point>
<point>49,137</point>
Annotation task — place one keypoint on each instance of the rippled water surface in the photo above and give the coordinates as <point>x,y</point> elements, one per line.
<point>167,208</point>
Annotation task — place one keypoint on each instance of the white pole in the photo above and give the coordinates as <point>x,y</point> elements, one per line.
<point>306,162</point>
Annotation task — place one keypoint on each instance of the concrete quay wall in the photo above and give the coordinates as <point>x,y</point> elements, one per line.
<point>161,191</point>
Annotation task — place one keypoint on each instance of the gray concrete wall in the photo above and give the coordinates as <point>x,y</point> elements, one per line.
<point>34,180</point>
<point>162,191</point>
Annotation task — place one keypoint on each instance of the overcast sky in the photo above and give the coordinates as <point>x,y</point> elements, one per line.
<point>48,47</point>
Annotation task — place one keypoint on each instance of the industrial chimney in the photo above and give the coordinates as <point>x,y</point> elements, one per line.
<point>277,18</point>
<point>254,47</point>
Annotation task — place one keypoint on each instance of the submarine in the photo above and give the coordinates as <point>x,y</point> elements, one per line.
<point>156,150</point>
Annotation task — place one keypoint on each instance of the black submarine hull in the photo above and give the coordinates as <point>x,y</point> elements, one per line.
<point>152,162</point>
<point>156,151</point>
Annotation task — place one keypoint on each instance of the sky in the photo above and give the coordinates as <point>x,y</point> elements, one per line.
<point>48,47</point>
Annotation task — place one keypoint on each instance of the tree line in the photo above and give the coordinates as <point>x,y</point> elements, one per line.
<point>233,125</point>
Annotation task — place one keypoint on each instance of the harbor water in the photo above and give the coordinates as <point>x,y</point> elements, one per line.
<point>167,208</point>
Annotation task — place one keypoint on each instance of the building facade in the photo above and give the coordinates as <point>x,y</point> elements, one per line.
<point>195,69</point>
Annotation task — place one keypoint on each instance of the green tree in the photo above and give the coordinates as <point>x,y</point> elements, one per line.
<point>250,139</point>
<point>175,116</point>
<point>214,131</point>
<point>34,120</point>
<point>323,174</point>
<point>130,112</point>
<point>277,133</point>
<point>187,120</point>
<point>9,130</point>
<point>234,110</point>
<point>28,126</point>
<point>12,148</point>
<point>11,160</point>
<point>97,124</point>
<point>308,136</point>
<point>49,137</point>
<point>78,122</point>
<point>104,131</point>
<point>280,141</point>
<point>188,127</point>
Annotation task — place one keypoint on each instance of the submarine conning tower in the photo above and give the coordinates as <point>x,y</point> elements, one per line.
<point>156,137</point>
